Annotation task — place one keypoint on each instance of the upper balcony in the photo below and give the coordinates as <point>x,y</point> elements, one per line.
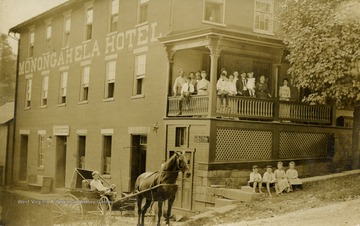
<point>254,109</point>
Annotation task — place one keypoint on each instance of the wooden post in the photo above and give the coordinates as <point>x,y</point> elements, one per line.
<point>215,49</point>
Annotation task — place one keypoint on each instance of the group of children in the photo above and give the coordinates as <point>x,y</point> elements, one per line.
<point>281,180</point>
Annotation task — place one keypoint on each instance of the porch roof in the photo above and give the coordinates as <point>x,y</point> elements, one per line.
<point>6,112</point>
<point>229,38</point>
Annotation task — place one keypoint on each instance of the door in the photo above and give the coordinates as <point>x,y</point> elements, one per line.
<point>138,157</point>
<point>184,194</point>
<point>24,143</point>
<point>60,162</point>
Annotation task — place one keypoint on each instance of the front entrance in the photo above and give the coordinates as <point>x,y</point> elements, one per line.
<point>184,194</point>
<point>138,157</point>
<point>60,161</point>
<point>24,143</point>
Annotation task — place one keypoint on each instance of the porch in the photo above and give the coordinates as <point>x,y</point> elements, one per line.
<point>254,109</point>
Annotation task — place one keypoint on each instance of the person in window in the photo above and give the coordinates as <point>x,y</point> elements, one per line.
<point>186,90</point>
<point>241,85</point>
<point>97,185</point>
<point>179,81</point>
<point>262,91</point>
<point>222,89</point>
<point>203,85</point>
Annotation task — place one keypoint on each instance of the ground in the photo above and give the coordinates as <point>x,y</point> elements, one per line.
<point>329,202</point>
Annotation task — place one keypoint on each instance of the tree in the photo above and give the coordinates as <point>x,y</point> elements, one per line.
<point>7,71</point>
<point>323,40</point>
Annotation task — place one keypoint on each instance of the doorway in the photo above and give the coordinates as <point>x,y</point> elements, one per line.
<point>60,163</point>
<point>138,157</point>
<point>24,143</point>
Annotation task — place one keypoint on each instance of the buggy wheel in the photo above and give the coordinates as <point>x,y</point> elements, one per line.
<point>102,216</point>
<point>67,210</point>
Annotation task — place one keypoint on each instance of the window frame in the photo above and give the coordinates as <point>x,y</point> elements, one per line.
<point>48,35</point>
<point>67,30</point>
<point>44,90</point>
<point>139,78</point>
<point>141,4</point>
<point>63,87</point>
<point>84,87</point>
<point>113,16</point>
<point>270,13</point>
<point>81,150</point>
<point>31,47</point>
<point>110,82</point>
<point>88,25</point>
<point>28,90</point>
<point>181,136</point>
<point>107,152</point>
<point>41,151</point>
<point>222,11</point>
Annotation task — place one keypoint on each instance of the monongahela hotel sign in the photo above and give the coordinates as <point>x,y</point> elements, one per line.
<point>114,42</point>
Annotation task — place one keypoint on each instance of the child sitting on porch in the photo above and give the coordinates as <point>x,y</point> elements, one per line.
<point>281,183</point>
<point>269,179</point>
<point>186,90</point>
<point>293,177</point>
<point>222,89</point>
<point>255,179</point>
<point>250,85</point>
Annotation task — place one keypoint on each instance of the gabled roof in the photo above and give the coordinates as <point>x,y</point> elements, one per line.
<point>6,112</point>
<point>64,6</point>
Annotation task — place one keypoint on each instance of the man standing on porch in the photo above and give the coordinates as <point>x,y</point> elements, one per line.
<point>241,85</point>
<point>186,90</point>
<point>179,81</point>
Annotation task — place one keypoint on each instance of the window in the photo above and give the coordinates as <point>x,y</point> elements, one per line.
<point>180,137</point>
<point>31,42</point>
<point>107,154</point>
<point>28,92</point>
<point>214,11</point>
<point>48,33</point>
<point>41,151</point>
<point>114,16</point>
<point>63,87</point>
<point>140,66</point>
<point>143,11</point>
<point>143,140</point>
<point>67,27</point>
<point>84,89</point>
<point>89,23</point>
<point>44,90</point>
<point>264,16</point>
<point>81,152</point>
<point>110,79</point>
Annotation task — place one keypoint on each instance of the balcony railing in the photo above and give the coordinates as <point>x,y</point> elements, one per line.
<point>253,108</point>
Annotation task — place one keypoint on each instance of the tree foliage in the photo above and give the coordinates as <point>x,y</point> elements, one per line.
<point>323,40</point>
<point>7,71</point>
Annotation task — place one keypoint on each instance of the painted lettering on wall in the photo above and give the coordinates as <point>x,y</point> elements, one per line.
<point>114,42</point>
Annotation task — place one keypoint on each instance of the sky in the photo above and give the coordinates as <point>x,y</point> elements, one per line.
<point>14,12</point>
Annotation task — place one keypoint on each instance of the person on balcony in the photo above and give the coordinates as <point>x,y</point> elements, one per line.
<point>250,85</point>
<point>284,95</point>
<point>231,86</point>
<point>186,90</point>
<point>262,91</point>
<point>197,79</point>
<point>179,81</point>
<point>241,85</point>
<point>236,76</point>
<point>222,89</point>
<point>203,85</point>
<point>193,80</point>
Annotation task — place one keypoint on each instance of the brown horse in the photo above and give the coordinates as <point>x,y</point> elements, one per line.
<point>160,186</point>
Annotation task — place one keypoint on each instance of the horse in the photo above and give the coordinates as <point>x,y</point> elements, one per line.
<point>160,186</point>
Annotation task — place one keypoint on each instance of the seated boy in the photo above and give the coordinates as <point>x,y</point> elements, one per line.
<point>269,179</point>
<point>255,179</point>
<point>96,185</point>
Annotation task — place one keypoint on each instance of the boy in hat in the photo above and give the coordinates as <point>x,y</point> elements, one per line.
<point>97,185</point>
<point>269,179</point>
<point>255,179</point>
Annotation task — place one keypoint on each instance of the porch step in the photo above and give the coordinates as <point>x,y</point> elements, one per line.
<point>237,194</point>
<point>246,188</point>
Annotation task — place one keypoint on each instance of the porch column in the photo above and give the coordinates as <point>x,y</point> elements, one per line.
<point>170,57</point>
<point>215,49</point>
